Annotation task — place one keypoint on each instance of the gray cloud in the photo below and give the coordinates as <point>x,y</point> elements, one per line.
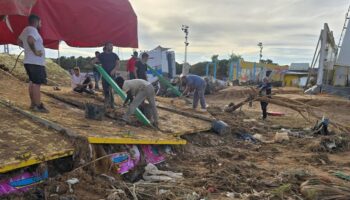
<point>289,29</point>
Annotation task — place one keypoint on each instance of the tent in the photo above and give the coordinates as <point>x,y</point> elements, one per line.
<point>16,7</point>
<point>80,23</point>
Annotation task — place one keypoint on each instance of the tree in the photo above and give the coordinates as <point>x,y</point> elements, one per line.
<point>234,57</point>
<point>268,61</point>
<point>69,63</point>
<point>214,58</point>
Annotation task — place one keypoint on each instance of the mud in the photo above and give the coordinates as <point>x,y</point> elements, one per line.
<point>226,166</point>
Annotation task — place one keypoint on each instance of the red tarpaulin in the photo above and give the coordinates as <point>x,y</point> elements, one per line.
<point>80,23</point>
<point>16,7</point>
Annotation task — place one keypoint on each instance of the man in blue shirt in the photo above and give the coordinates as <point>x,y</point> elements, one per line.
<point>197,84</point>
<point>110,63</point>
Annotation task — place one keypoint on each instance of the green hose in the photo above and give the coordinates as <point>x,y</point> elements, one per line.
<point>164,81</point>
<point>142,118</point>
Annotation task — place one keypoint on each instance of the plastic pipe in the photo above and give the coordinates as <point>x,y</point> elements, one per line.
<point>142,118</point>
<point>164,81</point>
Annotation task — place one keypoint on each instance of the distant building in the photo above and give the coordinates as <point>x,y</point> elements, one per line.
<point>162,60</point>
<point>299,67</point>
<point>296,75</point>
<point>251,72</point>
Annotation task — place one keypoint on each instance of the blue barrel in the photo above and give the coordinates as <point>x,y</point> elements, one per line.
<point>221,127</point>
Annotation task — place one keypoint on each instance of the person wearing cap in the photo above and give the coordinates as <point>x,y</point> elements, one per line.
<point>265,89</point>
<point>110,63</point>
<point>141,67</point>
<point>197,84</point>
<point>131,65</point>
<point>80,83</point>
<point>137,91</point>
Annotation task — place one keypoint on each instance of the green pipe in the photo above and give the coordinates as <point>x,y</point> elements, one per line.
<point>142,118</point>
<point>164,81</point>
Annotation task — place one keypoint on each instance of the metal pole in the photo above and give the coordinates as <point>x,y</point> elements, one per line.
<point>231,72</point>
<point>58,56</point>
<point>237,71</point>
<point>6,49</point>
<point>185,53</point>
<point>322,56</point>
<point>314,60</point>
<point>185,29</point>
<point>207,69</point>
<point>260,44</point>
<point>254,72</point>
<point>215,70</point>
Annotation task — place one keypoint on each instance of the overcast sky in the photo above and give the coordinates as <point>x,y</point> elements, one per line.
<point>289,29</point>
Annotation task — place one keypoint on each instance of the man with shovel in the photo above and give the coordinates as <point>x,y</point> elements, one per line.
<point>197,84</point>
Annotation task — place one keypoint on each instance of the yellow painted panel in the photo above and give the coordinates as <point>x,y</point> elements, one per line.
<point>12,165</point>
<point>288,79</point>
<point>99,140</point>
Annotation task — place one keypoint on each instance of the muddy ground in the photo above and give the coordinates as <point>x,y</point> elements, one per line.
<point>229,167</point>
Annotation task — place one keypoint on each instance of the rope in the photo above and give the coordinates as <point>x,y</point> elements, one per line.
<point>16,61</point>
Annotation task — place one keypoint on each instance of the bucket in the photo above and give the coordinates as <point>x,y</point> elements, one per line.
<point>93,111</point>
<point>220,127</point>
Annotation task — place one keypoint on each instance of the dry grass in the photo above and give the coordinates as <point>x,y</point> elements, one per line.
<point>56,74</point>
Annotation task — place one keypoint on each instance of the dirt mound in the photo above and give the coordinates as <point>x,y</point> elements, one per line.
<point>56,74</point>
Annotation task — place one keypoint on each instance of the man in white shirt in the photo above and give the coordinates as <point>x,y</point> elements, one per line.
<point>34,61</point>
<point>80,82</point>
<point>141,90</point>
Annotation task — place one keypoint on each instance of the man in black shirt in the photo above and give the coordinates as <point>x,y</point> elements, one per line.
<point>141,67</point>
<point>110,63</point>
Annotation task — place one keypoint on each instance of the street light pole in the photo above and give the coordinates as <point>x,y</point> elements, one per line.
<point>6,49</point>
<point>260,44</point>
<point>185,28</point>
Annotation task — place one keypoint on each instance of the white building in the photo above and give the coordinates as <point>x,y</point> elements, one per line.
<point>162,60</point>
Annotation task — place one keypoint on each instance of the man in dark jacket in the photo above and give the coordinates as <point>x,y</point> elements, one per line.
<point>265,89</point>
<point>141,67</point>
<point>110,63</point>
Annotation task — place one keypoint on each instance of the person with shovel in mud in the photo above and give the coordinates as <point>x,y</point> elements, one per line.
<point>197,84</point>
<point>137,91</point>
<point>265,89</point>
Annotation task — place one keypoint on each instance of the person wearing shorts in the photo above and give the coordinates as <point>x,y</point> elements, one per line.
<point>34,61</point>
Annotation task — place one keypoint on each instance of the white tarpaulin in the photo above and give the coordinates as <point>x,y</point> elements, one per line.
<point>163,61</point>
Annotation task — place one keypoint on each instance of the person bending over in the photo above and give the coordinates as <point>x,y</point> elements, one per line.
<point>137,91</point>
<point>197,84</point>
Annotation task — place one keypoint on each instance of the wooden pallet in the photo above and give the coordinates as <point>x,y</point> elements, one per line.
<point>24,143</point>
